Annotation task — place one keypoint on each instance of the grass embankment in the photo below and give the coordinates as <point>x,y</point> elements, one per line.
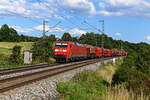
<point>6,51</point>
<point>96,86</point>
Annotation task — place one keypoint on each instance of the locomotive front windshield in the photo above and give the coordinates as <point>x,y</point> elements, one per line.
<point>64,45</point>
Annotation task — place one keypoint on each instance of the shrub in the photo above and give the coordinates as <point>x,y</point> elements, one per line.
<point>16,55</point>
<point>51,60</point>
<point>43,49</point>
<point>133,79</point>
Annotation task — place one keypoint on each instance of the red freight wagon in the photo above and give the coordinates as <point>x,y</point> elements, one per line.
<point>107,52</point>
<point>124,53</point>
<point>121,53</point>
<point>98,52</point>
<point>65,51</point>
<point>90,51</point>
<point>114,52</point>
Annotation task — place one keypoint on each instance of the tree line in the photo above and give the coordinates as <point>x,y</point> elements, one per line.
<point>8,34</point>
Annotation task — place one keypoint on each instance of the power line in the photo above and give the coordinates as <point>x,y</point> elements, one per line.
<point>92,26</point>
<point>56,24</point>
<point>60,15</point>
<point>53,26</point>
<point>71,13</point>
<point>25,17</point>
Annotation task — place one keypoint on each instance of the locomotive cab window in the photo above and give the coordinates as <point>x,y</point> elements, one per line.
<point>61,45</point>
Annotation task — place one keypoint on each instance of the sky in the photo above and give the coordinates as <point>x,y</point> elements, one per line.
<point>128,20</point>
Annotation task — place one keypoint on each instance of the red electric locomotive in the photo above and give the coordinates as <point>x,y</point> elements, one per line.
<point>68,51</point>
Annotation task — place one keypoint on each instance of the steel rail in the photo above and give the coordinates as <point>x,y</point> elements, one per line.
<point>27,68</point>
<point>7,69</point>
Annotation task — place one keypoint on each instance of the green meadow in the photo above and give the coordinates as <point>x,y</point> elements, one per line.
<point>6,51</point>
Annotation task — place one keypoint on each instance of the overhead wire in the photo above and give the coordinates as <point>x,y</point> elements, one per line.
<point>53,26</point>
<point>93,26</point>
<point>61,15</point>
<point>25,17</point>
<point>71,13</point>
<point>83,21</point>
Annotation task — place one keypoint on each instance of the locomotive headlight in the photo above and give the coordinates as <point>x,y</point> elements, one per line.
<point>56,50</point>
<point>64,50</point>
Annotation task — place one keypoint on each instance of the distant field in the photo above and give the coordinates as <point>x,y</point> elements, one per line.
<point>6,47</point>
<point>6,50</point>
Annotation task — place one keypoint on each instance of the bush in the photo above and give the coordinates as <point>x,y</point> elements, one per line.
<point>133,79</point>
<point>51,60</point>
<point>43,49</point>
<point>16,55</point>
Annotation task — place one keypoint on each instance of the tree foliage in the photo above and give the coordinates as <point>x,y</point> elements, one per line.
<point>16,55</point>
<point>43,49</point>
<point>135,70</point>
<point>66,37</point>
<point>10,35</point>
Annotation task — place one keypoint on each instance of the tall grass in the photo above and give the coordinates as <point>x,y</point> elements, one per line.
<point>121,93</point>
<point>6,63</point>
<point>106,72</point>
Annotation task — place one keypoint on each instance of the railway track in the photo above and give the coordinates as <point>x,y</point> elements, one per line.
<point>26,68</point>
<point>21,80</point>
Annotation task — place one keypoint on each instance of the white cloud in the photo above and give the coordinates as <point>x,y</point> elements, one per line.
<point>76,6</point>
<point>117,34</point>
<point>76,31</point>
<point>39,10</point>
<point>147,38</point>
<point>25,8</point>
<point>107,13</point>
<point>22,30</point>
<point>47,28</point>
<point>138,8</point>
<point>124,2</point>
<point>28,8</point>
<point>40,27</point>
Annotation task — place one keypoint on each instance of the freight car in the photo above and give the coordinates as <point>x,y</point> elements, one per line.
<point>98,52</point>
<point>90,51</point>
<point>107,52</point>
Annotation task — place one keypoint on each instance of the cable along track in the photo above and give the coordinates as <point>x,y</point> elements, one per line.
<point>18,81</point>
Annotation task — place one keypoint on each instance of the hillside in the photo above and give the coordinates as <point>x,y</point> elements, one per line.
<point>97,85</point>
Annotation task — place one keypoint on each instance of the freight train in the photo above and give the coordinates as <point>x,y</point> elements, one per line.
<point>67,51</point>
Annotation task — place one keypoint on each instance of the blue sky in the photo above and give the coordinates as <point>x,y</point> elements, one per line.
<point>128,20</point>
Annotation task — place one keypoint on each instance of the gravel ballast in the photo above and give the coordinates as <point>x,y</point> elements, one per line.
<point>46,88</point>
